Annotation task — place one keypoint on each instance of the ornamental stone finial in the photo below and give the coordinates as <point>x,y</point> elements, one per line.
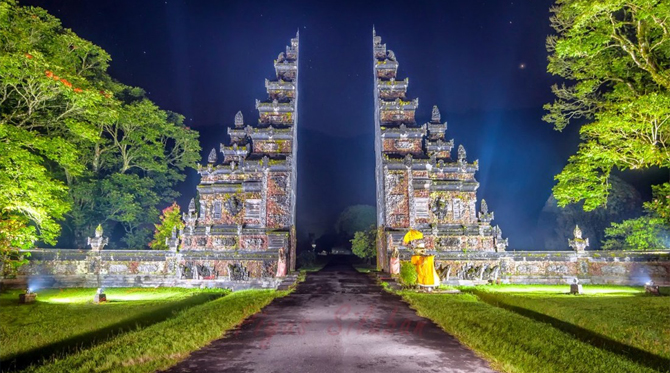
<point>578,244</point>
<point>435,116</point>
<point>212,156</point>
<point>239,119</point>
<point>191,205</point>
<point>461,153</point>
<point>391,55</point>
<point>484,215</point>
<point>98,242</point>
<point>172,242</point>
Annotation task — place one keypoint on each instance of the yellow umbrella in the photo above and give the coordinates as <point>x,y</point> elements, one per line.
<point>412,235</point>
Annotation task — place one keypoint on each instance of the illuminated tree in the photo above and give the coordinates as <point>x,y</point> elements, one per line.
<point>75,144</point>
<point>616,56</point>
<point>170,219</point>
<point>363,245</point>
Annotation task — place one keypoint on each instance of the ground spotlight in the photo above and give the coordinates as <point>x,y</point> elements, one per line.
<point>651,288</point>
<point>28,297</point>
<point>576,287</point>
<point>100,296</point>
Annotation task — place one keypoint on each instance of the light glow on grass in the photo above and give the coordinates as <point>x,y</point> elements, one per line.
<point>559,289</point>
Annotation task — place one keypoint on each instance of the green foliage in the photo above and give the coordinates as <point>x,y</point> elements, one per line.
<point>648,232</point>
<point>354,219</point>
<point>363,245</point>
<point>659,206</point>
<point>306,259</point>
<point>15,234</point>
<point>617,55</point>
<point>408,275</point>
<point>170,220</point>
<point>643,233</point>
<point>74,143</point>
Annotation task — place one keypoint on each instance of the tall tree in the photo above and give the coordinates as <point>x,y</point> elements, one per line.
<point>354,219</point>
<point>75,144</point>
<point>616,56</point>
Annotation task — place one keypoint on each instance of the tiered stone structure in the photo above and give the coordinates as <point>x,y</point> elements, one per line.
<point>419,185</point>
<point>247,200</point>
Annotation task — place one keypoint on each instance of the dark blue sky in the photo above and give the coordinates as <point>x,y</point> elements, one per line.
<point>482,62</point>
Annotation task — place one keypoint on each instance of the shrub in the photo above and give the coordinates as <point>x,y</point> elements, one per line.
<point>306,258</point>
<point>408,275</point>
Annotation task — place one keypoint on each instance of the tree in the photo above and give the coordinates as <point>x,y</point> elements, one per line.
<point>616,53</point>
<point>355,218</point>
<point>648,232</point>
<point>363,245</point>
<point>170,220</point>
<point>47,112</point>
<point>74,143</point>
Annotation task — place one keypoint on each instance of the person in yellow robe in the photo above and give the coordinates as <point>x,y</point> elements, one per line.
<point>425,269</point>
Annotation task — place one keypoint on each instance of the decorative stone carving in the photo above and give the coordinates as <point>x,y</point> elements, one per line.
<point>190,219</point>
<point>408,161</point>
<point>172,242</point>
<point>439,208</point>
<point>484,215</point>
<point>461,153</point>
<point>578,244</point>
<point>239,120</point>
<point>499,243</point>
<point>98,242</point>
<point>212,156</point>
<point>435,116</point>
<point>237,272</point>
<point>233,206</point>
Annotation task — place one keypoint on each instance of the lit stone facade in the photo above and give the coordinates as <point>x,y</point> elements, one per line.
<point>419,184</point>
<point>246,207</point>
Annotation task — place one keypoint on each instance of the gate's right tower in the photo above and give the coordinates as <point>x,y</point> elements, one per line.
<point>419,184</point>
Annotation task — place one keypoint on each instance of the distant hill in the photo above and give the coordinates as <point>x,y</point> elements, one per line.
<point>555,224</point>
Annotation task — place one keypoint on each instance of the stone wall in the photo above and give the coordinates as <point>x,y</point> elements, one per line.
<point>54,268</point>
<point>553,267</point>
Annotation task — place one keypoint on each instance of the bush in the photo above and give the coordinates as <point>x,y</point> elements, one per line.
<point>306,259</point>
<point>408,275</point>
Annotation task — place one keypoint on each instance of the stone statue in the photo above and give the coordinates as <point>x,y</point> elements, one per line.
<point>98,242</point>
<point>173,241</point>
<point>578,244</point>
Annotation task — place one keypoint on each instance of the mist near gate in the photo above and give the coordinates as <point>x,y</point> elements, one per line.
<point>482,63</point>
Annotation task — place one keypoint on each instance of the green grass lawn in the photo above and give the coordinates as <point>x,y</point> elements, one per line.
<point>542,329</point>
<point>163,344</point>
<point>63,321</point>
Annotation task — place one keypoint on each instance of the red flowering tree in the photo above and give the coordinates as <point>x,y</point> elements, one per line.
<point>15,234</point>
<point>170,219</point>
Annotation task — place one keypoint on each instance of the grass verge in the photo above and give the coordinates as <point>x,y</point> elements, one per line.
<point>515,343</point>
<point>162,345</point>
<point>63,321</point>
<point>633,325</point>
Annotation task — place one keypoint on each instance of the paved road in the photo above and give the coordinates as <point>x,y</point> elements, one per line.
<point>338,320</point>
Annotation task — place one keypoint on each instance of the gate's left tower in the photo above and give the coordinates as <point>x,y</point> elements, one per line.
<point>244,218</point>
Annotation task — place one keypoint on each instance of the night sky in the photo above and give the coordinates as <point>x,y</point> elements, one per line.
<point>482,62</point>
